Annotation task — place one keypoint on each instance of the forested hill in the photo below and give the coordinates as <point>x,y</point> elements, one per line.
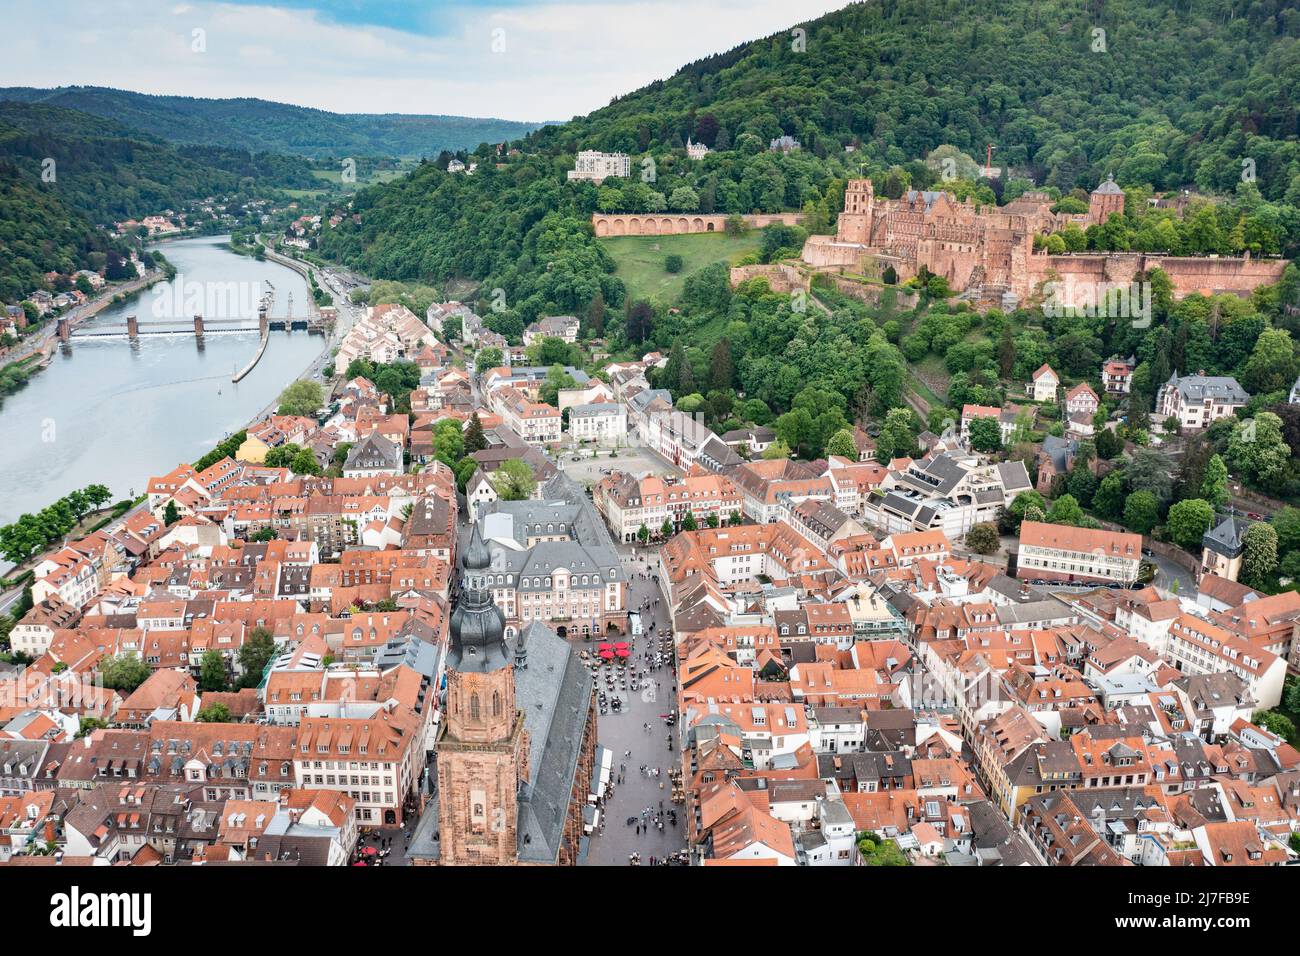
<point>1168,92</point>
<point>1164,94</point>
<point>107,172</point>
<point>261,125</point>
<point>103,172</point>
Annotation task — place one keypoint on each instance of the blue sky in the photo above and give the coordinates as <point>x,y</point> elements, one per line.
<point>516,59</point>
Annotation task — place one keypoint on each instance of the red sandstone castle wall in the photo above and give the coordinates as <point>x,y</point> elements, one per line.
<point>1189,275</point>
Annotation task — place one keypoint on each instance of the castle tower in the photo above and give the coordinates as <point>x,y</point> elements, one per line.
<point>482,749</point>
<point>859,204</point>
<point>1105,201</point>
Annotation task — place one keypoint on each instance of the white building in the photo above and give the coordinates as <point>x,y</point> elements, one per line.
<point>604,423</point>
<point>596,166</point>
<point>1198,400</point>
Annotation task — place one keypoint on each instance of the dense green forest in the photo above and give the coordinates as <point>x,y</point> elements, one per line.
<point>63,173</point>
<point>1164,95</point>
<point>39,232</point>
<point>264,126</point>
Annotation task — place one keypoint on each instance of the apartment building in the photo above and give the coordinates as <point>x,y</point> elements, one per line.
<point>1060,553</point>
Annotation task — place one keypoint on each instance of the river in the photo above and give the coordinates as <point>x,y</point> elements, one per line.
<point>116,413</point>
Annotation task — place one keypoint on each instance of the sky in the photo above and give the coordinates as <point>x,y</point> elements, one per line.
<point>514,59</point>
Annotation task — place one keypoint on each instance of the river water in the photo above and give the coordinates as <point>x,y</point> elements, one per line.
<point>115,413</point>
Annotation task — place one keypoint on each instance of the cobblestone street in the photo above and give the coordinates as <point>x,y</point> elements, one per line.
<point>626,731</point>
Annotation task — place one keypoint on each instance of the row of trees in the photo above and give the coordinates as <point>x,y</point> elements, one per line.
<point>33,533</point>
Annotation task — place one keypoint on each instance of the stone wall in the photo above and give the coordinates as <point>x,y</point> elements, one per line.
<point>672,224</point>
<point>782,278</point>
<point>1190,275</point>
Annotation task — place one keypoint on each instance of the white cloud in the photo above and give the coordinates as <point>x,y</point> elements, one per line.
<point>561,59</point>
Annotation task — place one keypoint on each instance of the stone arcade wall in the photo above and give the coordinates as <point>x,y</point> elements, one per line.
<point>673,224</point>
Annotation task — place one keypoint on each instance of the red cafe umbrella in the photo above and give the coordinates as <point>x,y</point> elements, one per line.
<point>604,646</point>
<point>622,646</point>
<point>368,851</point>
<point>607,655</point>
<point>358,863</point>
<point>623,652</point>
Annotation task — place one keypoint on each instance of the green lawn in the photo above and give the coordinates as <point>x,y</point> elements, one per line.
<point>641,259</point>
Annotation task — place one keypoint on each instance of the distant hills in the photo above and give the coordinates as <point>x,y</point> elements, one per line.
<point>261,125</point>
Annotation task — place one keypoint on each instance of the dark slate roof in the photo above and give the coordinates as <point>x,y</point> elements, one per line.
<point>554,692</point>
<point>1227,537</point>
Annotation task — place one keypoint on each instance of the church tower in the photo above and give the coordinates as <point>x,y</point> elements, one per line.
<point>854,224</point>
<point>482,750</point>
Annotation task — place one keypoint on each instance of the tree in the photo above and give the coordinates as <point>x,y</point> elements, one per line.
<point>98,495</point>
<point>171,514</point>
<point>778,449</point>
<point>643,533</point>
<point>489,357</point>
<point>684,199</point>
<point>897,437</point>
<point>448,442</point>
<point>876,851</point>
<point>1020,505</point>
<point>1141,512</point>
<point>841,444</point>
<point>1082,484</point>
<point>89,725</point>
<point>1275,722</point>
<point>304,463</point>
<point>1108,444</point>
<point>302,397</point>
<point>1259,554</point>
<point>673,264</point>
<point>217,713</point>
<point>1287,524</point>
<point>475,440</point>
<point>666,530</point>
<point>688,522</point>
<point>514,480</point>
<point>212,671</point>
<point>1272,363</point>
<point>263,534</point>
<point>1214,484</point>
<point>1257,452</point>
<point>254,655</point>
<point>721,371</point>
<point>1065,510</point>
<point>1149,470</point>
<point>124,672</point>
<point>1188,521</point>
<point>985,435</point>
<point>1108,501</point>
<point>983,538</point>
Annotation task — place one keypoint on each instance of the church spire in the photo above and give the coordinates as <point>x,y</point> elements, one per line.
<point>477,624</point>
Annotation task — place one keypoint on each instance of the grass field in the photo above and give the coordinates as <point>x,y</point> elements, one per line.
<point>641,259</point>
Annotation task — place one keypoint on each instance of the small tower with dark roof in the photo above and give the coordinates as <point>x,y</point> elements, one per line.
<point>1105,201</point>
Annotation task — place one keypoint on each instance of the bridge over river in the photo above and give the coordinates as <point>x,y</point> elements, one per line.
<point>111,410</point>
<point>200,327</point>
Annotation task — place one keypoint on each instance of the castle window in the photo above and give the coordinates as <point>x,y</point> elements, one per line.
<point>473,707</point>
